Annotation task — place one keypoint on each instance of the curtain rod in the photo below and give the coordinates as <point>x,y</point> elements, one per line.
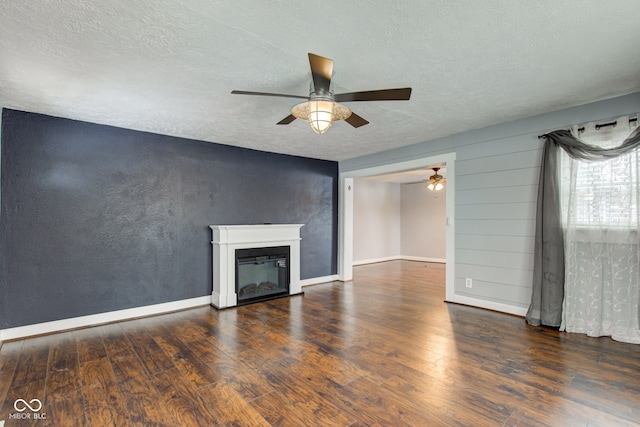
<point>598,127</point>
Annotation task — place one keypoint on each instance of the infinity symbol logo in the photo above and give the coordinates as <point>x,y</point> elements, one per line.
<point>27,405</point>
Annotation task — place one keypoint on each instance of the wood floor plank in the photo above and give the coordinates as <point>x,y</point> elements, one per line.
<point>187,362</point>
<point>143,403</point>
<point>65,413</point>
<point>64,384</point>
<point>63,376</point>
<point>330,365</point>
<point>90,344</point>
<point>63,353</point>
<point>104,404</point>
<point>150,354</point>
<point>618,400</point>
<point>350,403</point>
<point>453,402</point>
<point>260,344</point>
<point>484,401</point>
<point>116,345</point>
<point>188,407</point>
<point>336,395</point>
<point>530,419</point>
<point>552,381</point>
<point>395,409</point>
<point>32,364</point>
<point>189,330</point>
<point>290,382</point>
<point>9,354</point>
<point>97,372</point>
<point>374,366</point>
<point>277,411</point>
<point>228,406</point>
<point>27,392</point>
<point>238,372</point>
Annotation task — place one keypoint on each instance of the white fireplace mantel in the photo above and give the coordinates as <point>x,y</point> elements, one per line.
<point>228,238</point>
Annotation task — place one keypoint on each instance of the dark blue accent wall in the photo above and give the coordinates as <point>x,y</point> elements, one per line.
<point>96,218</point>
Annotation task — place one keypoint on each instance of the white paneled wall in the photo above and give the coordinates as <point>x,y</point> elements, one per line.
<point>376,220</point>
<point>424,219</point>
<point>498,182</point>
<point>496,172</point>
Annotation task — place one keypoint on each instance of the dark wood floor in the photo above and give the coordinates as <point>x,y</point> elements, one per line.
<point>381,350</point>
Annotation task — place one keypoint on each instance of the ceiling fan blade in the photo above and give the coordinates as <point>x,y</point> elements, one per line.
<point>355,120</point>
<point>287,120</point>
<point>321,71</point>
<point>282,95</point>
<point>400,94</point>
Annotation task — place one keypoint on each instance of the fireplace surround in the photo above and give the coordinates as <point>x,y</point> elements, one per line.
<point>227,239</point>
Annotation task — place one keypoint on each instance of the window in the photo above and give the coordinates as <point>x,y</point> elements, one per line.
<point>601,246</point>
<point>601,194</point>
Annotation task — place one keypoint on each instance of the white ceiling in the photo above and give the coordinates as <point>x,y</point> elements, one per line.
<point>168,66</point>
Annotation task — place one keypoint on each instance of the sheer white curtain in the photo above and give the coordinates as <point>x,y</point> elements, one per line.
<point>600,221</point>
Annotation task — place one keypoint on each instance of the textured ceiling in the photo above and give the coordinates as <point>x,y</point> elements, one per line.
<point>168,66</point>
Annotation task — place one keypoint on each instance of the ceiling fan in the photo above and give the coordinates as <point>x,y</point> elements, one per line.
<point>322,107</point>
<point>436,181</point>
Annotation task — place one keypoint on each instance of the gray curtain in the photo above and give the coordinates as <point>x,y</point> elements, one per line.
<point>548,267</point>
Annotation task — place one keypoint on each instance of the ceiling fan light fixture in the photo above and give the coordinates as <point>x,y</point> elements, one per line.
<point>320,113</point>
<point>436,181</point>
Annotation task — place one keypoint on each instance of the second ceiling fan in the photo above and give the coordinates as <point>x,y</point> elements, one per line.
<point>322,107</point>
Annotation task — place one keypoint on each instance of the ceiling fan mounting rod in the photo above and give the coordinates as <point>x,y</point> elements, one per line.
<point>313,96</point>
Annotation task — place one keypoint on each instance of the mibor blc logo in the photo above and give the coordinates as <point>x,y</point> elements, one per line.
<point>21,405</point>
<point>34,405</point>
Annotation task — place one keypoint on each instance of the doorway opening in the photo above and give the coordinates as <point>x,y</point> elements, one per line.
<point>346,187</point>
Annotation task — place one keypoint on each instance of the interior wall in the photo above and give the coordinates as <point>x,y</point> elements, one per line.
<point>423,222</point>
<point>410,220</point>
<point>497,171</point>
<point>96,218</point>
<point>376,220</point>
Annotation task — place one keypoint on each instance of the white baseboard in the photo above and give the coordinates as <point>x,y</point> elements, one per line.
<point>316,280</point>
<point>423,259</point>
<point>397,257</point>
<point>374,260</point>
<point>101,318</point>
<point>490,305</point>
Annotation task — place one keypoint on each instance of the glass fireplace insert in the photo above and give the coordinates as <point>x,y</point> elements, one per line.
<point>262,273</point>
